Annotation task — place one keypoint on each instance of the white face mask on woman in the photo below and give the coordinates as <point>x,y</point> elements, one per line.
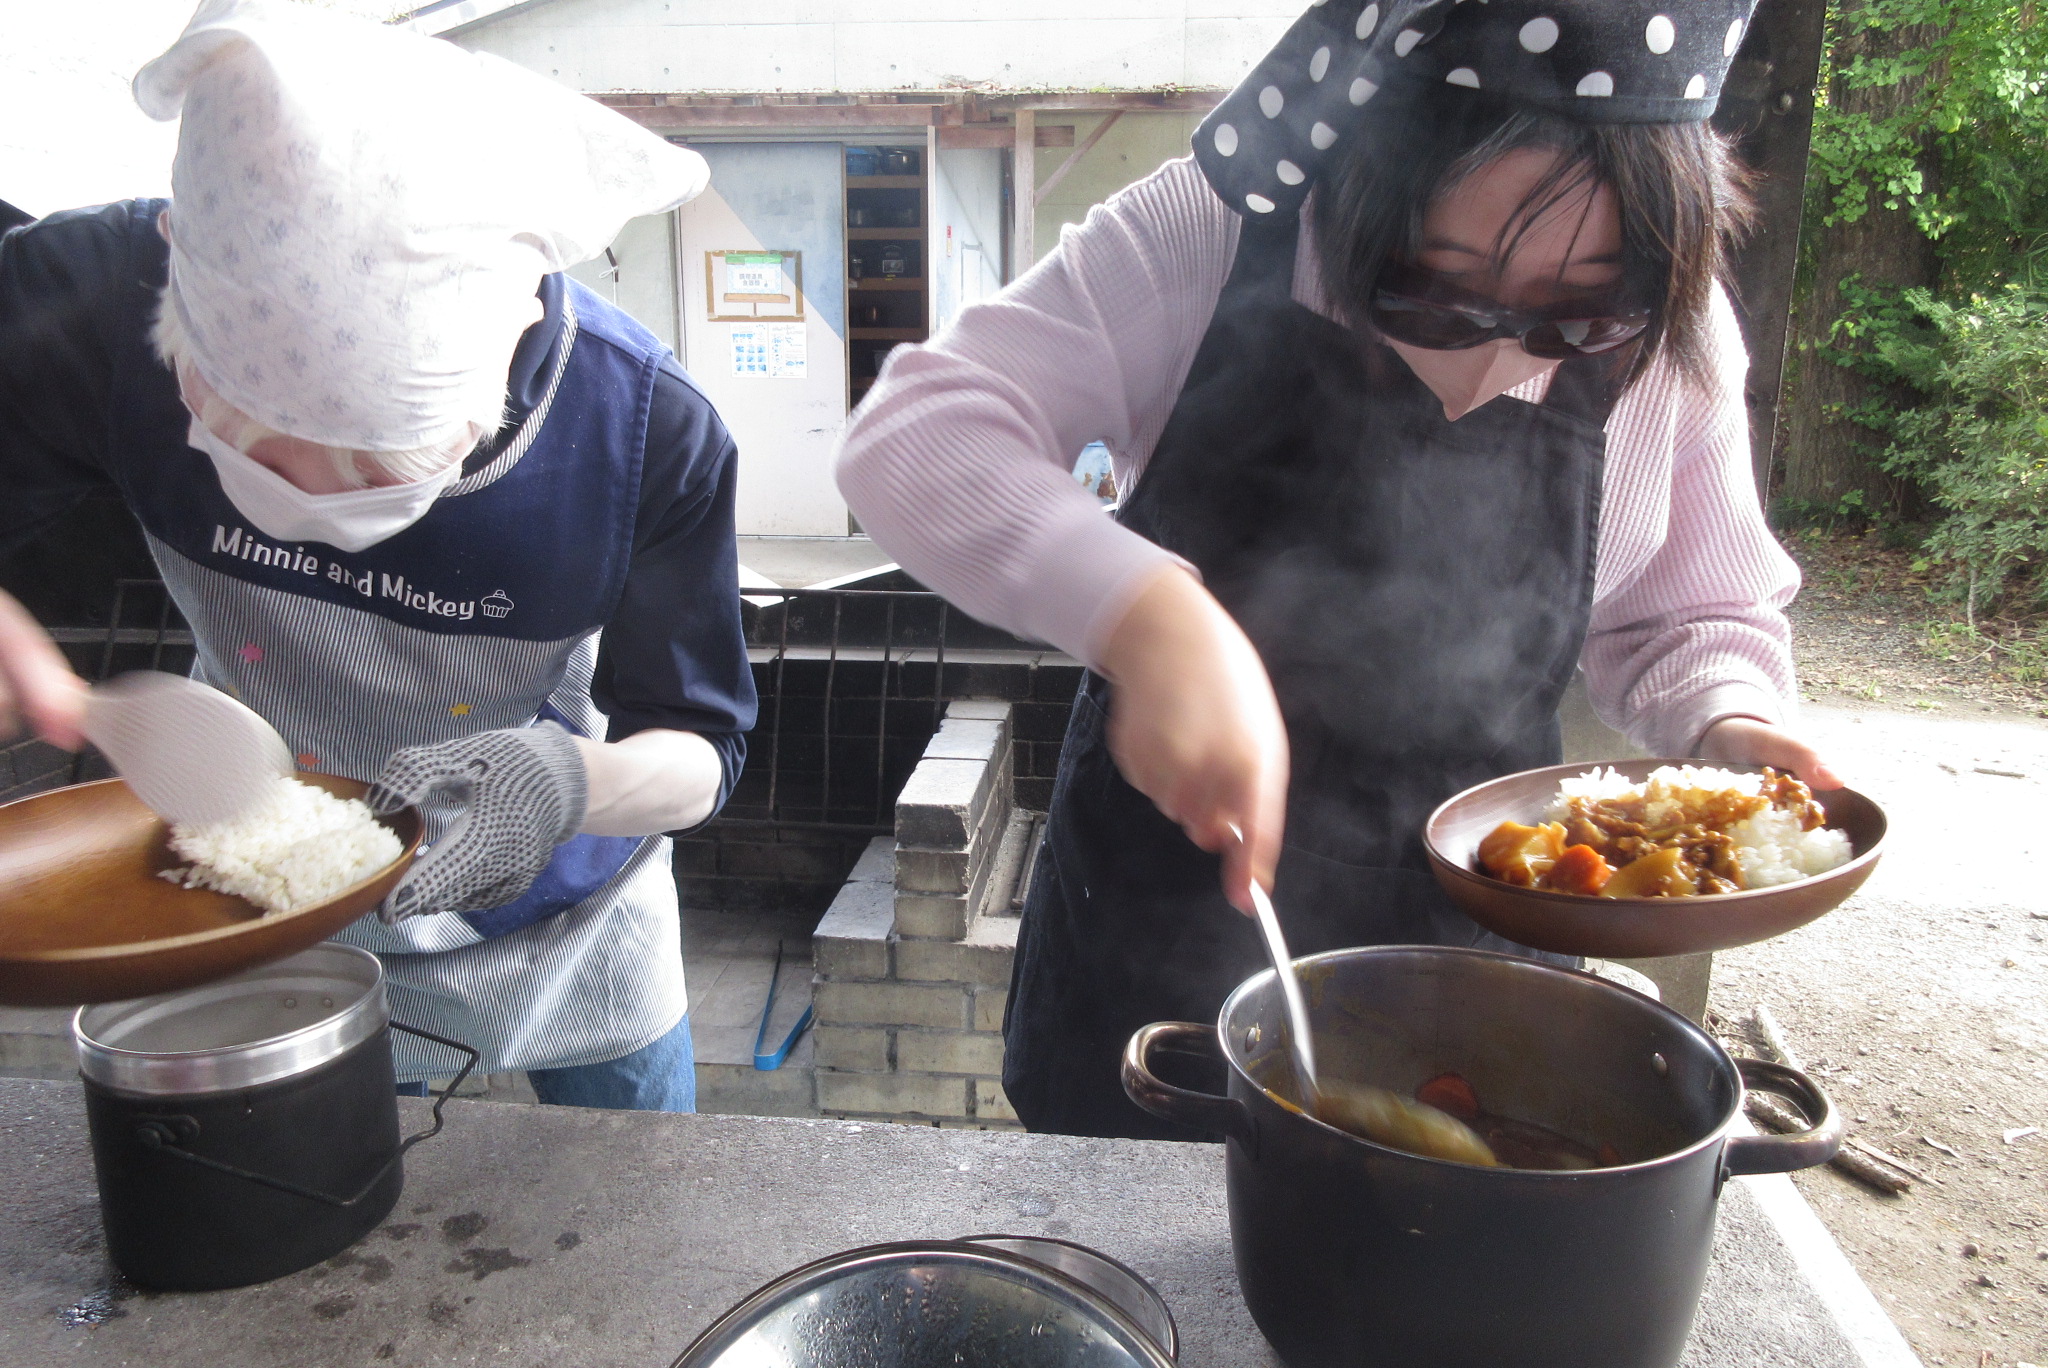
<point>351,521</point>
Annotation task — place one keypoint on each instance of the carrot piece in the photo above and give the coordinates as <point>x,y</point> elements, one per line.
<point>1581,869</point>
<point>1449,1092</point>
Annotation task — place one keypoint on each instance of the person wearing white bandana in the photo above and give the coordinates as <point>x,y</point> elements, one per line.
<point>452,523</point>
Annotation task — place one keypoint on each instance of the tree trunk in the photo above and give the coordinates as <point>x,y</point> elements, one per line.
<point>1826,455</point>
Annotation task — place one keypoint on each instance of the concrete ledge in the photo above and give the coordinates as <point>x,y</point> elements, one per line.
<point>852,939</point>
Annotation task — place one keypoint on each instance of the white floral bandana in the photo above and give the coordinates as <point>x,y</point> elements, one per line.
<point>360,215</point>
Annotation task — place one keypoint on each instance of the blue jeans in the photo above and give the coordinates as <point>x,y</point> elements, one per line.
<point>657,1077</point>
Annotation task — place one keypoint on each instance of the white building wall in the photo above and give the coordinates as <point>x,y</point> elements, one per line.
<point>881,45</point>
<point>1133,149</point>
<point>643,283</point>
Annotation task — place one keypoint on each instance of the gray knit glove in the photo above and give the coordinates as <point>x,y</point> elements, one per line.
<point>521,792</point>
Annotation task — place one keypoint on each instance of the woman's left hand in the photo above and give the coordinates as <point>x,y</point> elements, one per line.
<point>1746,741</point>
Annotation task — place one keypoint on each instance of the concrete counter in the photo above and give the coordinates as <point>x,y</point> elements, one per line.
<point>582,1239</point>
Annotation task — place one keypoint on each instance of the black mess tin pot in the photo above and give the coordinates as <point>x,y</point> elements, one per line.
<point>248,1128</point>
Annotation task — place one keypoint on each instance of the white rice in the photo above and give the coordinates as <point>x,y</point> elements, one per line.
<point>300,846</point>
<point>1770,848</point>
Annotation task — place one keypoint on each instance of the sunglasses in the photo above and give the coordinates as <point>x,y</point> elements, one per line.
<point>1420,309</point>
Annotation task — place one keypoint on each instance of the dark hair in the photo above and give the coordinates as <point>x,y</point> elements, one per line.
<point>1683,197</point>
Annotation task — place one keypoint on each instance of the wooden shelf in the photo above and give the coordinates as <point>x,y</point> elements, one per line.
<point>885,182</point>
<point>883,283</point>
<point>885,234</point>
<point>886,334</point>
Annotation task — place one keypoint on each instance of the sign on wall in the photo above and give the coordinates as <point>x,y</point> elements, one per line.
<point>770,351</point>
<point>754,286</point>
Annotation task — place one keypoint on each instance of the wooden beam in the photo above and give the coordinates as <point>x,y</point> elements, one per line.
<point>1060,172</point>
<point>1101,102</point>
<point>1024,192</point>
<point>952,137</point>
<point>678,117</point>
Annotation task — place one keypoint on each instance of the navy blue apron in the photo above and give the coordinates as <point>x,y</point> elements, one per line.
<point>1419,592</point>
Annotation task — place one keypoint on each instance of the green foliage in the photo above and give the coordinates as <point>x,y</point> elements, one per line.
<point>1953,128</point>
<point>1977,442</point>
<point>1940,110</point>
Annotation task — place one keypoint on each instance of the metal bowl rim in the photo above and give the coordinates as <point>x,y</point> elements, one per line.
<point>1722,1059</point>
<point>1172,1345</point>
<point>813,1274</point>
<point>1443,861</point>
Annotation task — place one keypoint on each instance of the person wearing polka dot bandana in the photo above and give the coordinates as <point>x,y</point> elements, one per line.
<point>1601,61</point>
<point>1424,391</point>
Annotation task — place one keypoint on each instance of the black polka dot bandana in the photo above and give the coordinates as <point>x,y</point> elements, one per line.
<point>1601,61</point>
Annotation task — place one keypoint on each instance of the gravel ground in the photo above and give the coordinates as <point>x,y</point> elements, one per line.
<point>1866,629</point>
<point>1922,1004</point>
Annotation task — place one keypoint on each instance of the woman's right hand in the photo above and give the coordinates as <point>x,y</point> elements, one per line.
<point>1194,726</point>
<point>36,683</point>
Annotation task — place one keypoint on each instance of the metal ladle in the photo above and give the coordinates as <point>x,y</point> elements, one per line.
<point>1378,1114</point>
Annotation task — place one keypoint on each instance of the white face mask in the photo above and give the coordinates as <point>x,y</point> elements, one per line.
<point>351,521</point>
<point>1463,380</point>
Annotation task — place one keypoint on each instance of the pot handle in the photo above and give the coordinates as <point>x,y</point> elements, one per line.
<point>1183,1106</point>
<point>1747,1154</point>
<point>169,1134</point>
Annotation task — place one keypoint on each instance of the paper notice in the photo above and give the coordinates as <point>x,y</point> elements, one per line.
<point>788,352</point>
<point>751,349</point>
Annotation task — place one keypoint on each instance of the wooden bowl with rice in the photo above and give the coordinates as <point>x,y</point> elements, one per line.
<point>87,916</point>
<point>1631,927</point>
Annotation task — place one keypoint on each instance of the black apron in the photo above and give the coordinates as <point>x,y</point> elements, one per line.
<point>1418,590</point>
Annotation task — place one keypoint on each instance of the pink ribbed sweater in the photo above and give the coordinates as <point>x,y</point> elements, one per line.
<point>959,466</point>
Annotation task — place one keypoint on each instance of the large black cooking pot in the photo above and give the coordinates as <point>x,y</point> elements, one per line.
<point>248,1128</point>
<point>1351,1254</point>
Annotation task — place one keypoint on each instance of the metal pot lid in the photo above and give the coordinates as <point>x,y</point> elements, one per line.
<point>926,1304</point>
<point>264,1024</point>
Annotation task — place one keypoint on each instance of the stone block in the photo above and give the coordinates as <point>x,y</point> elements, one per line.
<point>862,1049</point>
<point>949,1052</point>
<point>852,938</point>
<point>983,956</point>
<point>942,1005</point>
<point>941,803</point>
<point>877,863</point>
<point>926,915</point>
<point>988,1008</point>
<point>979,709</point>
<point>990,1103</point>
<point>925,1095</point>
<point>921,870</point>
<point>961,738</point>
